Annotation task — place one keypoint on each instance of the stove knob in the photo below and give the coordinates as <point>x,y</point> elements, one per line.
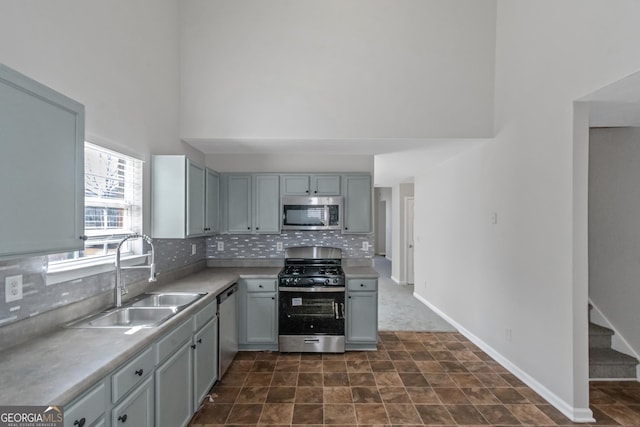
<point>335,280</point>
<point>326,282</point>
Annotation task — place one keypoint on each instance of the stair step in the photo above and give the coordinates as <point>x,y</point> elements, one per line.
<point>608,363</point>
<point>599,336</point>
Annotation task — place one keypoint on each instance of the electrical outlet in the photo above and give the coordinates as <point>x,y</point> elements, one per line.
<point>193,249</point>
<point>220,246</point>
<point>13,288</point>
<point>365,246</point>
<point>279,246</point>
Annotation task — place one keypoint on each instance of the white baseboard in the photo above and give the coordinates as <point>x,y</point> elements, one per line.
<point>578,415</point>
<point>397,282</point>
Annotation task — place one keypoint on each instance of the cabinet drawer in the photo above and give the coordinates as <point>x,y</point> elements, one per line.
<point>362,284</point>
<point>89,408</point>
<point>132,374</point>
<point>261,285</point>
<point>174,339</point>
<point>204,315</point>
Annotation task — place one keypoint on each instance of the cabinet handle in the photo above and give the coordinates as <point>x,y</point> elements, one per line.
<point>349,296</point>
<point>83,237</point>
<point>193,346</point>
<point>259,286</point>
<point>362,285</point>
<point>315,192</point>
<point>80,422</point>
<point>273,298</point>
<point>200,341</point>
<point>346,228</point>
<point>123,418</point>
<point>257,228</point>
<point>248,228</point>
<point>139,372</point>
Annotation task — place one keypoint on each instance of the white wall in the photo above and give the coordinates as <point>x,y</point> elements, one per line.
<point>524,273</point>
<point>337,69</point>
<point>384,235</point>
<point>398,194</point>
<point>119,58</point>
<point>289,162</point>
<point>614,228</point>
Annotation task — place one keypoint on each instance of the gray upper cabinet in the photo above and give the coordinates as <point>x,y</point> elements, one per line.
<point>184,198</point>
<point>310,185</point>
<point>41,168</point>
<point>266,194</point>
<point>252,203</point>
<point>212,200</point>
<point>357,203</point>
<point>238,198</point>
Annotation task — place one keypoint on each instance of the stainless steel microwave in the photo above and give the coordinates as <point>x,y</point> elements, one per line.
<point>311,213</point>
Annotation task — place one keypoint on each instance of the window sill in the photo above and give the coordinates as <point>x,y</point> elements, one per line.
<point>73,271</point>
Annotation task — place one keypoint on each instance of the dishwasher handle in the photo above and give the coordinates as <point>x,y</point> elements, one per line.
<point>227,293</point>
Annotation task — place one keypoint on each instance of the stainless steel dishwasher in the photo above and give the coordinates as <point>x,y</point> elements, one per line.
<point>228,328</point>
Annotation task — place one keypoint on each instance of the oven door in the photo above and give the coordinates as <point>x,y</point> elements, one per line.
<point>311,311</point>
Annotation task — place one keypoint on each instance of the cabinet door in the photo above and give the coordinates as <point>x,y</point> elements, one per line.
<point>362,317</point>
<point>295,185</point>
<point>195,199</point>
<point>41,168</point>
<point>239,204</point>
<point>325,185</point>
<point>212,202</point>
<point>137,409</point>
<point>266,196</point>
<point>205,360</point>
<point>261,318</point>
<point>87,408</point>
<point>173,390</point>
<point>357,204</point>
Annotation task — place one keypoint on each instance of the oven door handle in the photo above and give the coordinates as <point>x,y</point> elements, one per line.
<point>342,309</point>
<point>311,289</point>
<point>335,310</point>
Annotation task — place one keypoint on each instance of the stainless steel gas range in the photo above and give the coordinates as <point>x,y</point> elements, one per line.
<point>311,289</point>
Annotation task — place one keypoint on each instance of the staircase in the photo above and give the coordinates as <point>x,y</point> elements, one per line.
<point>604,362</point>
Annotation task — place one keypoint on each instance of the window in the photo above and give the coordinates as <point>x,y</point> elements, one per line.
<point>112,203</point>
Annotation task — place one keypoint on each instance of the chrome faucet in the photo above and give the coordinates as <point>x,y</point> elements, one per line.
<point>151,266</point>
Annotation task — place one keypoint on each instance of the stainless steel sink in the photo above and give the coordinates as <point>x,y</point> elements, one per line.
<point>167,299</point>
<point>128,317</point>
<point>145,311</point>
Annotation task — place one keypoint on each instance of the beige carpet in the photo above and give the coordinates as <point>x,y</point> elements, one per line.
<point>399,310</point>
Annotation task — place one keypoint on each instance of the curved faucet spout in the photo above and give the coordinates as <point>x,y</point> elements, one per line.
<point>120,288</point>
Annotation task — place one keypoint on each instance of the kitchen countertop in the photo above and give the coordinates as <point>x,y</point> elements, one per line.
<point>360,272</point>
<point>55,368</point>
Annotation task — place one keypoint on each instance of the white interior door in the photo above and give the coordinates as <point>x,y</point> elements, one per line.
<point>408,212</point>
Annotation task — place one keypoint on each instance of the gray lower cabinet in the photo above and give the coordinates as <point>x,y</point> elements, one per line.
<point>89,409</point>
<point>362,314</point>
<point>205,361</point>
<point>161,386</point>
<point>137,408</point>
<point>357,203</point>
<point>174,388</point>
<point>258,314</point>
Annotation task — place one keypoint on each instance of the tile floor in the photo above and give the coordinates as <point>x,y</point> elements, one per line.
<point>415,378</point>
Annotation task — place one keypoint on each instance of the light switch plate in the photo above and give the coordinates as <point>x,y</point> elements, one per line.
<point>194,249</point>
<point>220,246</point>
<point>279,246</point>
<point>13,288</point>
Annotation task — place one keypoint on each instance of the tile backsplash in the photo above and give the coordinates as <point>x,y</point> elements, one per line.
<point>265,246</point>
<point>38,298</point>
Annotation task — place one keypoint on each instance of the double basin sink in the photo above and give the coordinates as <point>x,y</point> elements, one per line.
<point>145,311</point>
